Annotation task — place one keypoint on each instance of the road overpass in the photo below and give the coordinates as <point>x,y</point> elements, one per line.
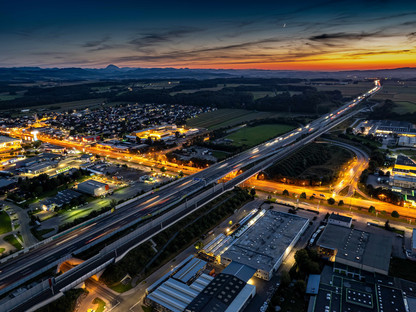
<point>60,247</point>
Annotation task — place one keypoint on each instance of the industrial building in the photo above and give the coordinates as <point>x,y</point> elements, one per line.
<point>187,288</point>
<point>92,187</point>
<point>407,141</point>
<point>404,166</point>
<point>8,144</point>
<point>386,127</point>
<point>356,248</point>
<point>370,292</point>
<point>402,181</point>
<point>227,292</point>
<point>60,199</point>
<point>337,219</point>
<point>164,133</point>
<point>265,242</point>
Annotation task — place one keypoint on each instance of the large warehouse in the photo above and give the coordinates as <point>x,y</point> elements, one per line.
<point>358,249</point>
<point>92,187</point>
<point>266,243</point>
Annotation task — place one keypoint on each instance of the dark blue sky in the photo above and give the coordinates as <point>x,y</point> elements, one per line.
<point>215,34</point>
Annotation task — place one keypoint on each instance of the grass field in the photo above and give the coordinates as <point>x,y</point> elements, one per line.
<point>346,90</point>
<point>227,117</point>
<point>404,107</point>
<point>7,97</point>
<point>13,241</point>
<point>402,93</point>
<point>251,136</point>
<point>5,224</point>
<point>63,106</point>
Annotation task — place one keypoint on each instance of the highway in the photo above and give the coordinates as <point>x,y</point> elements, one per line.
<point>31,262</point>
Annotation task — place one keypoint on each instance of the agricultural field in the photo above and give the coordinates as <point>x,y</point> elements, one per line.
<point>227,117</point>
<point>251,136</point>
<point>6,96</point>
<point>63,106</point>
<point>403,93</point>
<point>346,89</point>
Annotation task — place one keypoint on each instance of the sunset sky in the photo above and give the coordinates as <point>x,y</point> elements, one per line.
<point>299,35</point>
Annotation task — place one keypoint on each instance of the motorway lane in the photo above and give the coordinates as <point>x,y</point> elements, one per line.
<point>80,237</point>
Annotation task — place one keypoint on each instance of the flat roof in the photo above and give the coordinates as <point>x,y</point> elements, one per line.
<point>265,242</point>
<point>91,184</point>
<point>357,246</point>
<point>338,217</point>
<point>374,293</point>
<point>218,295</point>
<point>240,270</point>
<point>405,160</point>
<point>6,139</point>
<point>313,284</point>
<point>414,239</point>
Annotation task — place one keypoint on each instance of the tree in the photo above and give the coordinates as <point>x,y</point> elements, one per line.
<point>331,201</point>
<point>285,279</point>
<point>300,287</point>
<point>113,203</point>
<point>163,169</point>
<point>372,209</point>
<point>253,192</point>
<point>341,203</point>
<point>285,193</point>
<point>180,174</point>
<point>303,195</point>
<point>387,225</point>
<point>395,214</point>
<point>199,245</point>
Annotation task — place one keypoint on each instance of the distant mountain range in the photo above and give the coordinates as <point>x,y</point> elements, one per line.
<point>29,74</point>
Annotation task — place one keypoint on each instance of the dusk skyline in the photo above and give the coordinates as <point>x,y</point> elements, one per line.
<point>302,35</point>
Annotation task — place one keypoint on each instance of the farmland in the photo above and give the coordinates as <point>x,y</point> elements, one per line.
<point>226,117</point>
<point>251,136</point>
<point>403,93</point>
<point>348,89</point>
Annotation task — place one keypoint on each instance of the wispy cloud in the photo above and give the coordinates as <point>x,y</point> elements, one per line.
<point>95,43</point>
<point>154,38</point>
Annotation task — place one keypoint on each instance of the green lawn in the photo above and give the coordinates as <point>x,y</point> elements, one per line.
<point>2,250</point>
<point>13,241</point>
<point>404,107</point>
<point>220,155</point>
<point>252,136</point>
<point>120,287</point>
<point>101,304</point>
<point>5,223</point>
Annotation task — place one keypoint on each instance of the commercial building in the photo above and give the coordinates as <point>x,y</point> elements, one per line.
<point>337,219</point>
<point>60,199</point>
<point>404,166</point>
<point>265,242</point>
<point>92,187</point>
<point>227,292</point>
<point>386,127</point>
<point>370,293</point>
<point>358,249</point>
<point>8,144</point>
<point>407,141</point>
<point>187,288</point>
<point>164,133</point>
<point>414,241</point>
<point>402,181</point>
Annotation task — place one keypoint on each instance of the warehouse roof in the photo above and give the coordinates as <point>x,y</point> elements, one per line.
<point>357,246</point>
<point>338,217</point>
<point>266,241</point>
<point>6,139</point>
